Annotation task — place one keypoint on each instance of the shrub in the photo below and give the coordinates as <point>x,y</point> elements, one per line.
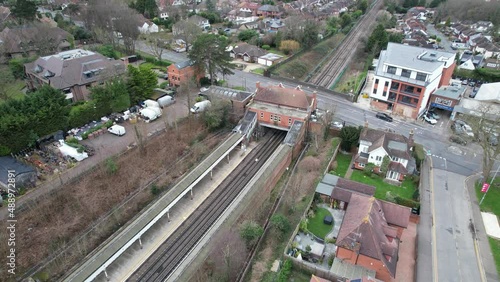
<point>406,202</point>
<point>266,47</point>
<point>281,223</point>
<point>155,190</point>
<point>111,166</point>
<point>368,169</point>
<point>285,272</point>
<point>289,46</point>
<point>164,85</point>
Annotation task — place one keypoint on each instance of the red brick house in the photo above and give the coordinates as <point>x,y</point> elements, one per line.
<point>181,72</point>
<point>370,233</point>
<point>268,11</point>
<point>338,190</point>
<point>278,107</point>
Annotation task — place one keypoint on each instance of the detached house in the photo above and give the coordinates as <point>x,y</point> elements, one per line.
<point>375,145</point>
<point>268,11</point>
<point>247,52</point>
<point>74,72</point>
<point>370,235</point>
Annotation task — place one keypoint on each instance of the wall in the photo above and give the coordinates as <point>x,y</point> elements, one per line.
<point>178,76</point>
<point>379,105</point>
<point>446,76</point>
<point>265,117</point>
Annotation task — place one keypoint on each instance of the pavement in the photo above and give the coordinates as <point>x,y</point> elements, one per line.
<point>405,270</point>
<point>338,216</point>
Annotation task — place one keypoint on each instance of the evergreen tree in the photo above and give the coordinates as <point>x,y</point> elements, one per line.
<point>209,53</point>
<point>24,10</point>
<point>141,82</point>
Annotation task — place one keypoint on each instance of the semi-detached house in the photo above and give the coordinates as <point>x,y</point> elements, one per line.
<point>406,76</point>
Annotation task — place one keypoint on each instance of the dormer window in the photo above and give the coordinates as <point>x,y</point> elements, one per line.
<point>48,74</point>
<point>38,69</point>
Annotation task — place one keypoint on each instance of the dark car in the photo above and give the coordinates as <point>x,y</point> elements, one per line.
<point>383,116</point>
<point>458,140</point>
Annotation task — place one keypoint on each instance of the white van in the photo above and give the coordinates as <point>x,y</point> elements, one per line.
<point>117,130</point>
<point>150,104</point>
<point>165,101</point>
<point>150,113</point>
<point>200,107</point>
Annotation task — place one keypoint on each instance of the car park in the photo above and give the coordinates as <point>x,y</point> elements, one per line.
<point>468,130</point>
<point>457,129</point>
<point>430,119</point>
<point>458,140</point>
<point>384,116</point>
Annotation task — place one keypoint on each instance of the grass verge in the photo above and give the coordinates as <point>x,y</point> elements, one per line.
<point>406,189</point>
<point>13,90</point>
<point>495,251</point>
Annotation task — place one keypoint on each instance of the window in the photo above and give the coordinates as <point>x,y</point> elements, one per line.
<point>376,81</point>
<point>384,93</point>
<point>395,85</point>
<point>374,90</point>
<point>271,118</point>
<point>279,118</point>
<point>395,159</point>
<point>391,70</point>
<point>419,90</point>
<point>386,83</point>
<point>378,158</point>
<point>261,114</point>
<point>289,121</point>
<point>421,76</point>
<point>406,73</point>
<point>361,164</point>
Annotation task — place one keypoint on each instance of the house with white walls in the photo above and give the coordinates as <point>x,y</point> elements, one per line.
<point>375,145</point>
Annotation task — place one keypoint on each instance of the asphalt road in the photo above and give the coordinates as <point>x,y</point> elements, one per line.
<point>445,246</point>
<point>431,30</point>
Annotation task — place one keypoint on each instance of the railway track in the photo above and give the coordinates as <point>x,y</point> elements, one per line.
<point>342,57</point>
<point>170,254</point>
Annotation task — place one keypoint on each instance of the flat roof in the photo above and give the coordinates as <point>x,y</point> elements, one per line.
<point>451,92</point>
<point>293,133</point>
<point>324,189</point>
<point>413,57</point>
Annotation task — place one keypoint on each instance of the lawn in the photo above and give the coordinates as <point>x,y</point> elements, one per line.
<point>343,161</point>
<point>406,189</point>
<point>490,203</point>
<point>316,225</point>
<point>495,250</point>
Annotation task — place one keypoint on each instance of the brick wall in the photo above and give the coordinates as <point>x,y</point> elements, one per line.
<point>446,76</point>
<point>379,105</point>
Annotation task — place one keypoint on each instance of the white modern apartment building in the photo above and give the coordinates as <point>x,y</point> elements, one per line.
<point>406,76</point>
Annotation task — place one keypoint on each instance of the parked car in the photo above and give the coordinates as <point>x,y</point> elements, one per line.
<point>430,119</point>
<point>468,130</point>
<point>464,82</point>
<point>337,124</point>
<point>472,83</point>
<point>384,116</point>
<point>433,115</point>
<point>458,140</point>
<point>493,139</point>
<point>457,129</point>
<point>165,101</point>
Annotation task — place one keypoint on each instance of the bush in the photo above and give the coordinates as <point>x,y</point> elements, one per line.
<point>406,202</point>
<point>368,169</point>
<point>281,223</point>
<point>111,166</point>
<point>16,66</point>
<point>266,47</point>
<point>285,272</point>
<point>155,190</point>
<point>164,85</point>
<point>108,51</point>
<point>82,114</point>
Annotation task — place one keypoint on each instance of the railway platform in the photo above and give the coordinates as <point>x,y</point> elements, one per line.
<point>133,235</point>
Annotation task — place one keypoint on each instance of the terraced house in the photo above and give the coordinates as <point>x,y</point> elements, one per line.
<point>406,76</point>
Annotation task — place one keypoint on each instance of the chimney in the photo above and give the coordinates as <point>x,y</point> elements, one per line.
<point>257,84</point>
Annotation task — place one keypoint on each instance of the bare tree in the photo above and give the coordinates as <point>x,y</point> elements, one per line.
<point>483,124</point>
<point>157,44</point>
<point>228,254</point>
<point>187,30</point>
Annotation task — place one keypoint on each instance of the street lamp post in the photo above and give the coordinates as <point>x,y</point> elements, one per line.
<point>491,182</point>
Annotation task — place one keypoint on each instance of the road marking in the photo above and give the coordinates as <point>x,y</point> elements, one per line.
<point>434,243</point>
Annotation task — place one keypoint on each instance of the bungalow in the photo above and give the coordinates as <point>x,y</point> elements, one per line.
<point>247,52</point>
<point>375,145</point>
<point>338,191</point>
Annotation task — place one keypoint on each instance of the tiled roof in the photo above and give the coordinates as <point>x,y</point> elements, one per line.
<point>396,214</point>
<point>279,95</point>
<point>69,72</point>
<point>391,142</point>
<point>397,167</point>
<point>355,186</point>
<point>24,39</point>
<point>365,226</point>
<point>250,50</point>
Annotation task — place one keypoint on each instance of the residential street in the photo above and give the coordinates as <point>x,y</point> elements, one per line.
<point>446,246</point>
<point>445,43</point>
